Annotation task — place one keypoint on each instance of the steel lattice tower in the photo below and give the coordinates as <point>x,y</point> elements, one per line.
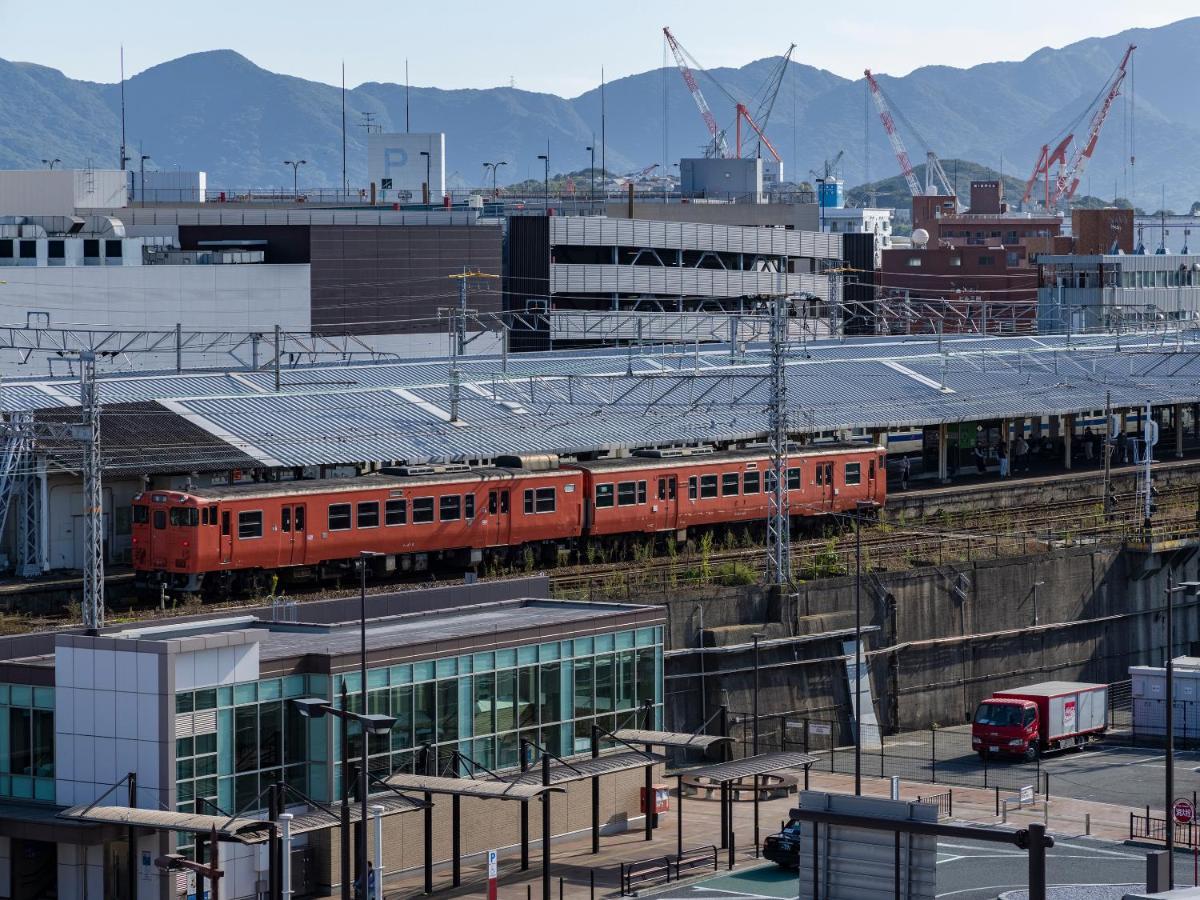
<point>779,542</point>
<point>93,496</point>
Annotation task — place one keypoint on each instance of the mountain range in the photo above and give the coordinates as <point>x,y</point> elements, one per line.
<point>219,112</point>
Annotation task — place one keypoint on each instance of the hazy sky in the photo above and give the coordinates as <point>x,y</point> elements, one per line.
<point>556,47</point>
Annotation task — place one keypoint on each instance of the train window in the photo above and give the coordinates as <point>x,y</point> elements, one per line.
<point>708,486</point>
<point>422,510</point>
<point>504,503</point>
<point>641,492</point>
<point>539,501</point>
<point>627,493</point>
<point>396,512</point>
<point>750,483</point>
<point>160,518</point>
<point>225,523</point>
<point>469,506</point>
<point>285,519</point>
<point>604,495</point>
<point>492,503</point>
<point>141,514</point>
<point>769,481</point>
<point>368,514</point>
<point>339,517</point>
<point>794,479</point>
<point>451,508</point>
<point>693,489</point>
<point>662,489</point>
<point>671,488</point>
<point>729,484</point>
<point>185,516</point>
<point>853,473</point>
<point>250,525</point>
<point>299,518</point>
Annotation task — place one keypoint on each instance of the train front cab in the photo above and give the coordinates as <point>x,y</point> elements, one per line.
<point>169,536</point>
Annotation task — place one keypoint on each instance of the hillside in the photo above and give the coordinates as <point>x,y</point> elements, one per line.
<point>220,112</point>
<point>894,191</point>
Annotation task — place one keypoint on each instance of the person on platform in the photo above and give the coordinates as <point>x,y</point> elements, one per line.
<point>1089,444</point>
<point>1021,454</point>
<point>905,470</point>
<point>1002,456</point>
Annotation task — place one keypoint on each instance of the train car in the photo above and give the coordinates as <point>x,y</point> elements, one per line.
<point>232,538</point>
<point>661,491</point>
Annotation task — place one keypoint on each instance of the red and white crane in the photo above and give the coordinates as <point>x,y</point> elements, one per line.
<point>935,175</point>
<point>717,145</point>
<point>1070,171</point>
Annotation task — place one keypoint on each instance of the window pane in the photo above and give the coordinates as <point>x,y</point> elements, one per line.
<point>793,479</point>
<point>396,512</point>
<point>451,508</point>
<point>646,680</point>
<point>551,693</point>
<point>339,516</point>
<point>245,739</point>
<point>605,700</point>
<point>708,486</point>
<point>270,735</point>
<point>627,493</point>
<point>750,483</point>
<point>626,684</point>
<point>585,705</point>
<point>729,484</point>
<point>506,700</point>
<point>469,506</point>
<point>527,696</point>
<point>20,739</point>
<point>545,500</point>
<point>447,711</point>
<point>528,503</point>
<point>641,493</point>
<point>422,510</point>
<point>853,473</point>
<point>250,524</point>
<point>423,707</point>
<point>402,732</point>
<point>692,487</point>
<point>368,514</point>
<point>485,703</point>
<point>604,495</point>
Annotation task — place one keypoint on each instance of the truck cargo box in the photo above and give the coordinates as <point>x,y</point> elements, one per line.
<point>1065,707</point>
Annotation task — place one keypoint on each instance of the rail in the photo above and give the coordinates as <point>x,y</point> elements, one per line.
<point>1154,828</point>
<point>943,801</point>
<point>646,871</point>
<point>696,858</point>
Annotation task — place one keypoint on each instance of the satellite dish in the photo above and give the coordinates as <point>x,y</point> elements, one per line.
<point>920,237</point>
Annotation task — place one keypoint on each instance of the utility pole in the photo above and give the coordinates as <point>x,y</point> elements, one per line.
<point>93,497</point>
<point>779,544</point>
<point>1108,448</point>
<point>458,337</point>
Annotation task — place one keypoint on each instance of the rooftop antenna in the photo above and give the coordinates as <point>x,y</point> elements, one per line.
<point>603,133</point>
<point>124,158</point>
<point>406,88</point>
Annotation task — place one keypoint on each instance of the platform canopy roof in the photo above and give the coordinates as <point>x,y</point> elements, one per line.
<point>578,770</point>
<point>585,401</point>
<point>674,739</point>
<point>748,767</point>
<point>487,789</point>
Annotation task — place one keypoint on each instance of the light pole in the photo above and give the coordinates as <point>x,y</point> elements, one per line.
<point>372,724</point>
<point>858,714</point>
<point>703,679</point>
<point>142,166</point>
<point>592,171</point>
<point>428,177</point>
<point>295,164</point>
<point>49,163</point>
<point>494,166</point>
<point>1036,585</point>
<point>1169,761</point>
<point>545,158</point>
<point>757,636</point>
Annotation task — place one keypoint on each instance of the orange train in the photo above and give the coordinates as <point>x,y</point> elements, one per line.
<point>223,539</point>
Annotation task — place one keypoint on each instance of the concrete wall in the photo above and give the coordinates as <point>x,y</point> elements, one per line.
<point>61,192</point>
<point>799,216</point>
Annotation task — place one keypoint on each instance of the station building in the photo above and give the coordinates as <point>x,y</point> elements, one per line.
<point>199,712</point>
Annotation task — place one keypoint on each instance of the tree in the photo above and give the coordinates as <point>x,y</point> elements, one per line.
<point>1195,210</point>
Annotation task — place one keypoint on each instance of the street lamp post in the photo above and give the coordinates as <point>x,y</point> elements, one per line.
<point>494,166</point>
<point>1169,761</point>
<point>545,158</point>
<point>143,179</point>
<point>592,171</point>
<point>428,177</point>
<point>858,714</point>
<point>757,637</point>
<point>49,163</point>
<point>295,164</point>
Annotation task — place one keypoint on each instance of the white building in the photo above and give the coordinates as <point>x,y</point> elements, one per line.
<point>860,220</point>
<point>172,186</point>
<point>400,165</point>
<point>55,192</point>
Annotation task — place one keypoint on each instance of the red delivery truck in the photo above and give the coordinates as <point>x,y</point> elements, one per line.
<point>1053,715</point>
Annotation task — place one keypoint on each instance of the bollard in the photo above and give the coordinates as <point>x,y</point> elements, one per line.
<point>997,800</point>
<point>528,892</point>
<point>1087,823</point>
<point>1004,812</point>
<point>592,884</point>
<point>895,787</point>
<point>1046,813</point>
<point>560,886</point>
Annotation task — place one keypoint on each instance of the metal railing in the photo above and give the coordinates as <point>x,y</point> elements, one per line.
<point>1154,828</point>
<point>943,801</point>
<point>657,869</point>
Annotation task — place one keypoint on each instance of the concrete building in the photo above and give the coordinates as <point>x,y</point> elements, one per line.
<point>200,712</point>
<point>1100,231</point>
<point>58,192</point>
<point>860,220</point>
<point>988,223</point>
<point>171,186</point>
<point>1117,291</point>
<point>401,164</point>
<point>382,275</point>
<point>723,179</point>
<point>561,271</point>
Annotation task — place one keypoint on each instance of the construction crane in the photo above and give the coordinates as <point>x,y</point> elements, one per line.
<point>717,144</point>
<point>830,166</point>
<point>935,175</point>
<point>770,90</point>
<point>1070,171</point>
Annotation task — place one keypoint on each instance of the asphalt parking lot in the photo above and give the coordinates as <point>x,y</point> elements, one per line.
<point>966,870</point>
<point>1126,776</point>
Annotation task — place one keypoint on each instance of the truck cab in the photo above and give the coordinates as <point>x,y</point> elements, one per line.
<point>1006,726</point>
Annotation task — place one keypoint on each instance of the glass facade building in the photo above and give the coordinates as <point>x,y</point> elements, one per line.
<point>26,742</point>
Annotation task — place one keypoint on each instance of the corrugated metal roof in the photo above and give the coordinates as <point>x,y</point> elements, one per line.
<point>162,819</point>
<point>588,768</point>
<point>670,738</point>
<point>469,787</point>
<point>763,764</point>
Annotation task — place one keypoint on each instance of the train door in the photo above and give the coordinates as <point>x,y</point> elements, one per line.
<point>293,534</point>
<point>499,520</point>
<point>666,503</point>
<point>871,485</point>
<point>825,487</point>
<point>226,538</point>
